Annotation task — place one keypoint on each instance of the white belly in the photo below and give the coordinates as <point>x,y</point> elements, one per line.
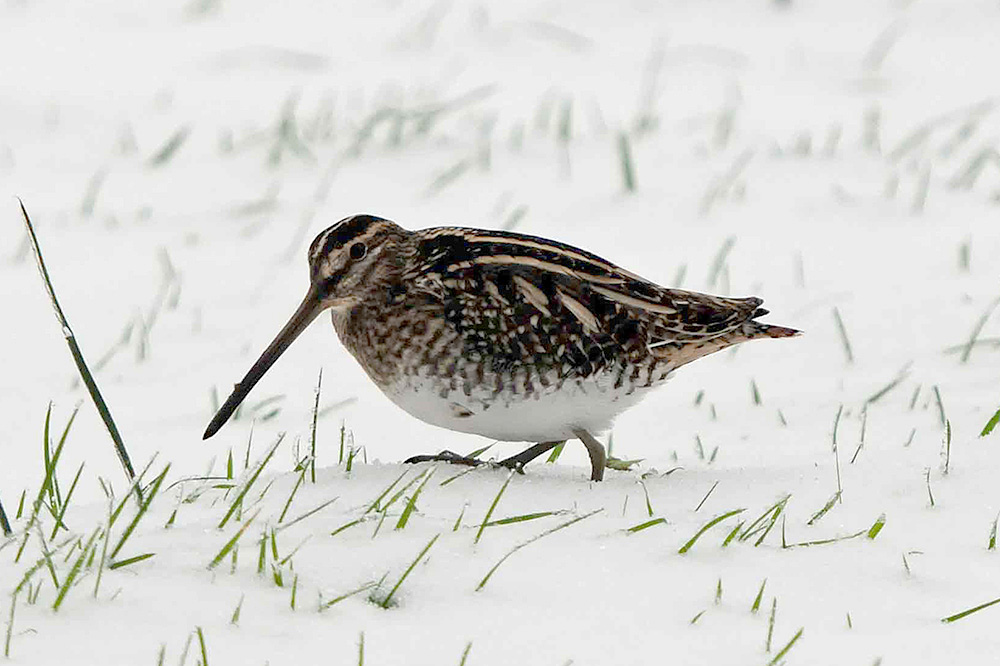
<point>540,416</point>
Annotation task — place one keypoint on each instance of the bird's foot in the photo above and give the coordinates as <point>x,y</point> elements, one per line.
<point>515,463</point>
<point>448,457</point>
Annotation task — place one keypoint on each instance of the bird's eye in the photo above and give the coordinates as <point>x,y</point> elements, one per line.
<point>358,251</point>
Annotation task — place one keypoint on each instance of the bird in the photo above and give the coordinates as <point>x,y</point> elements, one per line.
<point>504,335</point>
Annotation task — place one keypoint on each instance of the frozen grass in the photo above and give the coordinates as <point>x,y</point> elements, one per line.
<point>789,152</point>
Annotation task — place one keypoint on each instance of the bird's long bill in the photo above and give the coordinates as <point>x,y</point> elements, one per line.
<point>306,313</point>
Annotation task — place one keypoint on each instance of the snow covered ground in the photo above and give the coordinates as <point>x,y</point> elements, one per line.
<point>837,159</point>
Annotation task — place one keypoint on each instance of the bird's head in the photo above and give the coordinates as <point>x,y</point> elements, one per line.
<point>348,263</point>
<point>350,260</point>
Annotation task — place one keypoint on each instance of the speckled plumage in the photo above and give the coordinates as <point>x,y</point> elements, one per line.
<point>505,335</point>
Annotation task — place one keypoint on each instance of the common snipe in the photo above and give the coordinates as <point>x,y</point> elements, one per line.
<point>504,335</point>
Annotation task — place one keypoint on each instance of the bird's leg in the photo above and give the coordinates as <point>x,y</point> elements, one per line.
<point>598,458</point>
<point>524,457</point>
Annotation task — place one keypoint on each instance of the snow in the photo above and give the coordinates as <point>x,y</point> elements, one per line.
<point>847,149</point>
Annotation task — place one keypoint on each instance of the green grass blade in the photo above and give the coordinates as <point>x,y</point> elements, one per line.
<point>50,469</point>
<point>402,491</point>
<point>104,552</point>
<point>970,611</point>
<point>81,364</point>
<point>375,504</point>
<point>65,503</point>
<point>312,434</point>
<point>882,392</point>
<point>168,150</point>
<point>385,603</point>
<point>521,518</point>
<point>788,646</point>
<point>229,545</point>
<point>74,571</point>
<point>130,560</point>
<point>977,329</point>
<point>291,496</point>
<point>876,527</point>
<point>306,514</point>
<point>143,507</point>
<point>235,617</point>
<point>346,526</point>
<point>4,523</point>
<point>411,504</point>
<point>830,503</point>
<point>709,525</point>
<point>649,523</point>
<point>457,476</point>
<point>991,424</point>
<point>551,530</point>
<point>844,340</point>
<point>554,456</point>
<point>649,505</point>
<point>336,600</point>
<point>627,166</point>
<point>10,626</point>
<point>489,512</point>
<point>760,595</point>
<point>201,645</point>
<point>238,500</point>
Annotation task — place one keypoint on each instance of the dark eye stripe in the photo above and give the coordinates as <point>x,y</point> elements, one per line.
<point>345,231</point>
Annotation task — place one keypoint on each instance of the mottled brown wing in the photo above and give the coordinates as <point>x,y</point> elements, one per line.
<point>565,293</point>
